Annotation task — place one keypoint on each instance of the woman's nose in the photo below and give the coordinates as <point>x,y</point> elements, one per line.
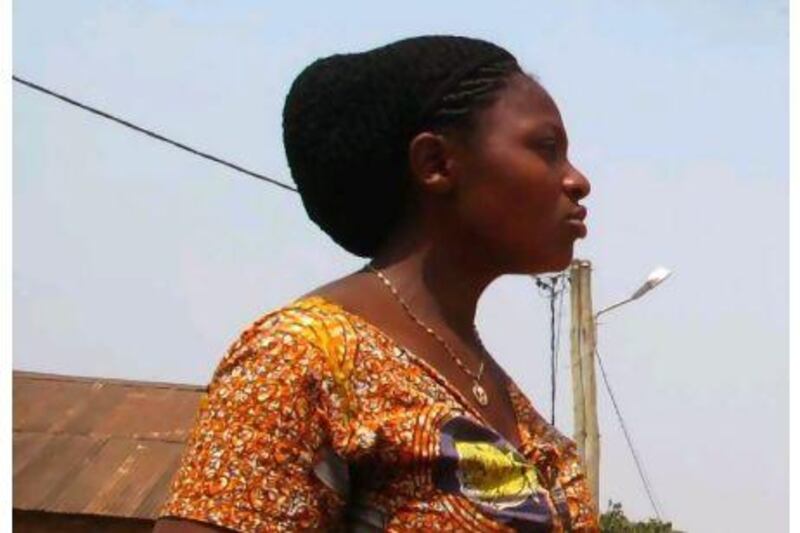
<point>576,184</point>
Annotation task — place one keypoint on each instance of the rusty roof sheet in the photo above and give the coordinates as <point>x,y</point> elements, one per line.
<point>97,446</point>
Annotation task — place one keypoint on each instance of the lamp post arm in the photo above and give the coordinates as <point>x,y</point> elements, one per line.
<point>609,308</point>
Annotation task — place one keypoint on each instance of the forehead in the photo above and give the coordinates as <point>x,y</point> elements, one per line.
<point>522,104</point>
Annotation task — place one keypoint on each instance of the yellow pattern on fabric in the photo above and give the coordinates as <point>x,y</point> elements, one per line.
<point>495,476</point>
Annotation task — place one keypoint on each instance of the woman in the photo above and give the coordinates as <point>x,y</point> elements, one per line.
<point>370,403</point>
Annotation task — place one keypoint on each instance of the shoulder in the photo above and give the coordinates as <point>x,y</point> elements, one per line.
<point>307,332</point>
<point>250,461</point>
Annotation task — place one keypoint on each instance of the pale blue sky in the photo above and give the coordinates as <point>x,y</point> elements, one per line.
<point>136,260</point>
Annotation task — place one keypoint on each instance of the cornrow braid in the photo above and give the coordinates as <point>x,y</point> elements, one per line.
<point>457,109</point>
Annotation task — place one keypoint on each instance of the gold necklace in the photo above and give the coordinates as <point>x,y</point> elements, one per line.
<point>477,389</point>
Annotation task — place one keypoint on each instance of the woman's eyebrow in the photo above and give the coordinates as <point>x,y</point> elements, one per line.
<point>549,127</point>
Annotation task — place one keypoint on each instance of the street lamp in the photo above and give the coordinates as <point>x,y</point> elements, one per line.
<point>583,336</point>
<point>656,277</point>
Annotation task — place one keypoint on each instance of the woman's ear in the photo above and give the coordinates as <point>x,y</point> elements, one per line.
<point>429,157</point>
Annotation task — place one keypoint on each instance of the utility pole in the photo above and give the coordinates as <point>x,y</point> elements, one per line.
<point>584,390</point>
<point>578,418</point>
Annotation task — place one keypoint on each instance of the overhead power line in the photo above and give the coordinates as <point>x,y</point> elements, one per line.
<point>151,133</point>
<point>639,466</point>
<point>554,288</point>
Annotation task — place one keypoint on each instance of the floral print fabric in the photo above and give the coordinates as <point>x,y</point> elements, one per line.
<point>316,420</point>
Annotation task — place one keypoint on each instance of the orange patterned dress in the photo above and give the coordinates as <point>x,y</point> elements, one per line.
<point>316,420</point>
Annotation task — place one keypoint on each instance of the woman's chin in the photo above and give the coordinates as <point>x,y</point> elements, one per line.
<point>561,261</point>
<point>561,264</point>
<point>550,264</point>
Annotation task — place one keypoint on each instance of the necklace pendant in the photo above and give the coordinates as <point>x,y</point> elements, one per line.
<point>480,394</point>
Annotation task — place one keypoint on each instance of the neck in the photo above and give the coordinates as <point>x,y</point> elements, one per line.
<point>441,284</point>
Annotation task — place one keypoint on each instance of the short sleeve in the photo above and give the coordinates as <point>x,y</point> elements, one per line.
<point>254,457</point>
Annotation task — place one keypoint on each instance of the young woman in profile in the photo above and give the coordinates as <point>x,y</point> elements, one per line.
<point>370,403</point>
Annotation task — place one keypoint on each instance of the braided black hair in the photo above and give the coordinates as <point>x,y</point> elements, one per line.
<point>458,109</point>
<point>348,121</point>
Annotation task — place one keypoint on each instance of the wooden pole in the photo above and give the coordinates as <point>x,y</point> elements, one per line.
<point>579,433</point>
<point>587,349</point>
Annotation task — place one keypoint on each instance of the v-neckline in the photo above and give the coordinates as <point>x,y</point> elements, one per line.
<point>437,376</point>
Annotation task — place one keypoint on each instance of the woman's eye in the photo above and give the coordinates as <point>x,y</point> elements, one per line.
<point>548,147</point>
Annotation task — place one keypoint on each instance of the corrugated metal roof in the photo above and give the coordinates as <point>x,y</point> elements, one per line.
<point>97,446</point>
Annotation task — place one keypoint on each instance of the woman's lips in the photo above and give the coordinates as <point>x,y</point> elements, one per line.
<point>579,213</point>
<point>576,221</point>
<point>579,227</point>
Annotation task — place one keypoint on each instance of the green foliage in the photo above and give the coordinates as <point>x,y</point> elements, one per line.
<point>615,521</point>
